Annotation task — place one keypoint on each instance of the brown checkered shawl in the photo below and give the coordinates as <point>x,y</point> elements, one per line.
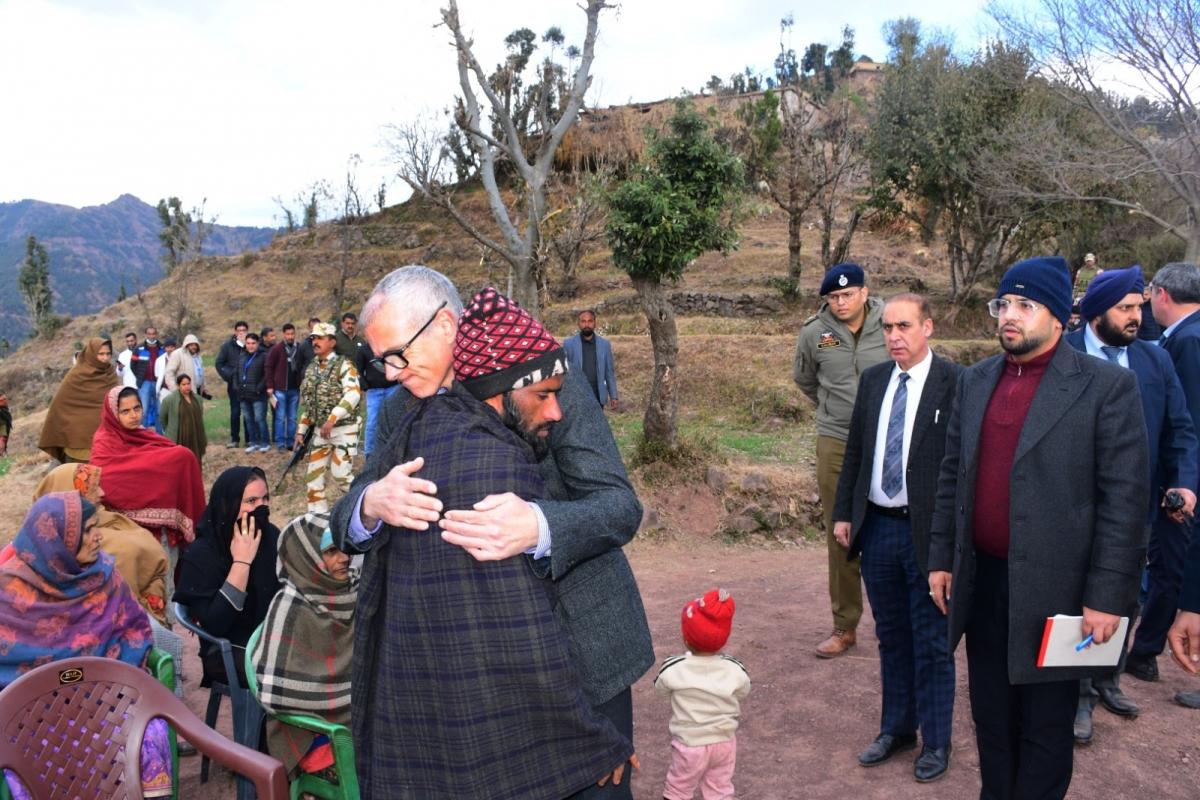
<point>463,686</point>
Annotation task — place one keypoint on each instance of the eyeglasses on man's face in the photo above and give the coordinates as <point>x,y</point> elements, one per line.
<point>1013,308</point>
<point>395,358</point>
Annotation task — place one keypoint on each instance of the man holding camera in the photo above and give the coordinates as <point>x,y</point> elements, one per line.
<point>1113,310</point>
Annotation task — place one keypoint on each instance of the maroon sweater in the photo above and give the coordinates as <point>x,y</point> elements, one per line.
<point>998,437</point>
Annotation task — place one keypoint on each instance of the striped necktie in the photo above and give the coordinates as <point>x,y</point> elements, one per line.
<point>893,453</point>
<point>1113,354</point>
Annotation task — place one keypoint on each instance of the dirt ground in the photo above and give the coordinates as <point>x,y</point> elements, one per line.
<point>806,719</point>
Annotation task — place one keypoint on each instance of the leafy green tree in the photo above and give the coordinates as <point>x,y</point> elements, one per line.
<point>34,284</point>
<point>673,209</point>
<point>175,234</point>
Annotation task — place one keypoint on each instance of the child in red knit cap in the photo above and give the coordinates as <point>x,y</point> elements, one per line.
<point>706,688</point>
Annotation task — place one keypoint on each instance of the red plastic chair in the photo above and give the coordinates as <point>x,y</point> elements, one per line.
<point>73,728</point>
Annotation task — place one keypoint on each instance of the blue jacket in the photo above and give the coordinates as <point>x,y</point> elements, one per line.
<point>606,375</point>
<point>1169,426</point>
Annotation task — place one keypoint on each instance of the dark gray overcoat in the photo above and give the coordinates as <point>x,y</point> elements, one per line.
<point>593,512</point>
<point>1077,517</point>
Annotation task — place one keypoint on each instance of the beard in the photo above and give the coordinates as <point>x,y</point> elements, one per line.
<point>1112,335</point>
<point>514,421</point>
<point>1027,344</point>
<point>587,333</point>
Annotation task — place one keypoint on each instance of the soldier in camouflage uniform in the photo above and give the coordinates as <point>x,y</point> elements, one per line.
<point>329,397</point>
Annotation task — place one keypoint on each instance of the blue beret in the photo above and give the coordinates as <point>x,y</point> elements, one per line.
<point>1045,279</point>
<point>1109,288</point>
<point>843,276</point>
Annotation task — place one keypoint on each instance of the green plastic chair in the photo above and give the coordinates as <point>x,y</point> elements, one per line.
<point>161,665</point>
<point>339,737</point>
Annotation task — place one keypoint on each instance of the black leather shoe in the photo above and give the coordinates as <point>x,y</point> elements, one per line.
<point>1144,668</point>
<point>1083,723</point>
<point>1189,699</point>
<point>1116,701</point>
<point>884,747</point>
<point>931,764</point>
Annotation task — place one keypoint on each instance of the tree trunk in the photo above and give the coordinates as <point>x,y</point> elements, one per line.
<point>1192,253</point>
<point>842,251</point>
<point>658,427</point>
<point>795,216</point>
<point>827,235</point>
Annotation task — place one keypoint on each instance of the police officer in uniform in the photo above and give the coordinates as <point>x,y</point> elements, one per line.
<point>836,344</point>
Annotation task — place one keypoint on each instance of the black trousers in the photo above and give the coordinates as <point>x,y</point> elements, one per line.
<point>1025,733</point>
<point>619,711</point>
<point>1167,554</point>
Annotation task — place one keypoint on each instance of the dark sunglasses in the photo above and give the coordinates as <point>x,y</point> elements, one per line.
<point>395,358</point>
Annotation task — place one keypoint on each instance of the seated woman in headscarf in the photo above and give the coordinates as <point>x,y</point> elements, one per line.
<point>139,559</point>
<point>75,410</point>
<point>147,477</point>
<point>303,656</point>
<point>61,597</point>
<point>181,413</point>
<point>227,577</point>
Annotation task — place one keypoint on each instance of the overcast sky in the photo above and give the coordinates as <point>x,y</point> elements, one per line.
<point>239,101</point>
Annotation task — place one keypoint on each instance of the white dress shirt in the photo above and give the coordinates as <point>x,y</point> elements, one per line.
<point>916,383</point>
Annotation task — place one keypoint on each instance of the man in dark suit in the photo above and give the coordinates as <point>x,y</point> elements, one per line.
<point>1041,510</point>
<point>1112,308</point>
<point>1175,300</point>
<point>575,534</point>
<point>884,505</point>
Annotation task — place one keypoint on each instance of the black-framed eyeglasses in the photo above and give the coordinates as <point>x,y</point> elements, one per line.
<point>395,358</point>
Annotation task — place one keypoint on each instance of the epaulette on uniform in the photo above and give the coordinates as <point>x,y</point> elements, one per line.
<point>809,321</point>
<point>734,660</point>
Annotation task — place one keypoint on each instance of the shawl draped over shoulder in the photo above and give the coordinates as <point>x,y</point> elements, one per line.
<point>75,410</point>
<point>140,559</point>
<point>463,685</point>
<point>147,477</point>
<point>303,657</point>
<point>52,607</point>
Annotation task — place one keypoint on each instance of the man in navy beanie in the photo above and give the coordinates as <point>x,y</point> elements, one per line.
<point>1040,510</point>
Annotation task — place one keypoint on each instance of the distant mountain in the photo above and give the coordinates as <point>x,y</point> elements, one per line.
<point>92,251</point>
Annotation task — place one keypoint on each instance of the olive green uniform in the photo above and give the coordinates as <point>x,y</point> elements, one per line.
<point>829,361</point>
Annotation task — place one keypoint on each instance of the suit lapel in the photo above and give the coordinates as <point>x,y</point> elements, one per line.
<point>1056,395</point>
<point>976,397</point>
<point>931,398</point>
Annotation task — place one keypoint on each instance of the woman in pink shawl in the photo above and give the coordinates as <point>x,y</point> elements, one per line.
<point>61,597</point>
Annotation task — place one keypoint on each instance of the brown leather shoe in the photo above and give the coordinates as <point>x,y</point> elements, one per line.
<point>838,642</point>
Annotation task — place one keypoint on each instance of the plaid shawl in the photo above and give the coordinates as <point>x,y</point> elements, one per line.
<point>463,686</point>
<point>302,660</point>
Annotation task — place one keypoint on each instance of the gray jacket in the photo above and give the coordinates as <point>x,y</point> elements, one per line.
<point>1077,514</point>
<point>829,361</point>
<point>592,512</point>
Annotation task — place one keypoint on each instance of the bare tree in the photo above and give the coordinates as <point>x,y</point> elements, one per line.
<point>576,223</point>
<point>1087,49</point>
<point>350,236</point>
<point>502,141</point>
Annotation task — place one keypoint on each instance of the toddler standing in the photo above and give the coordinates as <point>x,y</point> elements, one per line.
<point>706,688</point>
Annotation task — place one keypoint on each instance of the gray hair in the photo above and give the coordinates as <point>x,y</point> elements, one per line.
<point>413,293</point>
<point>1180,280</point>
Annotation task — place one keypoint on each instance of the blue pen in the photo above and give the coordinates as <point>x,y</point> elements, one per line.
<point>1079,647</point>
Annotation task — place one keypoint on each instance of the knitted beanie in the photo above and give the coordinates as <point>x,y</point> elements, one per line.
<point>500,347</point>
<point>1045,279</point>
<point>706,621</point>
<point>1110,288</point>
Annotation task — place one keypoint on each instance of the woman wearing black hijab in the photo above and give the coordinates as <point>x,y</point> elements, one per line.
<point>227,576</point>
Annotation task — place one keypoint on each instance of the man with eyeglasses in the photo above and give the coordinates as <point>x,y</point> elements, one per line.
<point>575,534</point>
<point>836,345</point>
<point>329,398</point>
<point>1175,301</point>
<point>1040,510</point>
<point>1113,309</point>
